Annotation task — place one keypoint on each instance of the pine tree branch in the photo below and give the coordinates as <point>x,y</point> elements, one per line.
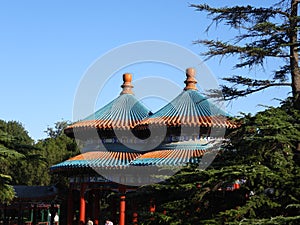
<point>250,54</point>
<point>255,49</point>
<point>263,32</point>
<point>229,13</point>
<point>233,93</point>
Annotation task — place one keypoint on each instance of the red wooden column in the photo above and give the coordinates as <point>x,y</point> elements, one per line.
<point>70,207</point>
<point>134,214</point>
<point>122,190</point>
<point>135,218</point>
<point>96,207</point>
<point>82,204</point>
<point>152,207</point>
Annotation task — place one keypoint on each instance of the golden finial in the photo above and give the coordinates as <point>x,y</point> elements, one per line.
<point>190,81</point>
<point>127,86</point>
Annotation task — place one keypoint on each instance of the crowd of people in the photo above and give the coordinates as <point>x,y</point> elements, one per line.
<point>108,222</point>
<point>90,222</point>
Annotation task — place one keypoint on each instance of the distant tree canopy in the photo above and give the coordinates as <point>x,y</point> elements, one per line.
<point>57,147</point>
<point>57,130</point>
<point>18,145</point>
<point>24,162</point>
<point>263,33</point>
<point>6,156</point>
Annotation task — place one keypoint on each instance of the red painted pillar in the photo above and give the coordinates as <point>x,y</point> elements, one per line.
<point>96,207</point>
<point>70,207</point>
<point>152,207</point>
<point>82,204</point>
<point>134,214</point>
<point>135,218</point>
<point>122,210</point>
<point>122,190</point>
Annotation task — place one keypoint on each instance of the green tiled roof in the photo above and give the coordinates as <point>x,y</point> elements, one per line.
<point>124,113</point>
<point>190,108</point>
<point>96,159</point>
<point>177,153</point>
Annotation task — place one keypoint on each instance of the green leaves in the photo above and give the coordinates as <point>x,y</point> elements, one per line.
<point>259,34</point>
<point>260,157</point>
<point>7,192</point>
<point>24,162</point>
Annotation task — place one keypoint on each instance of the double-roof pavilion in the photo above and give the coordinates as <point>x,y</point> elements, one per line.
<point>125,144</point>
<point>125,113</point>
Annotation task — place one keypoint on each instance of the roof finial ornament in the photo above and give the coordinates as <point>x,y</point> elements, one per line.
<point>127,86</point>
<point>190,79</point>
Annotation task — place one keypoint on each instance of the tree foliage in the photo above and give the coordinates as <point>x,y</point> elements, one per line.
<point>24,162</point>
<point>261,155</point>
<point>263,33</point>
<point>57,148</point>
<point>6,155</point>
<point>24,170</point>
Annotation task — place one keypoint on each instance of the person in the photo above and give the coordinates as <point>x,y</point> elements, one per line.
<point>49,217</point>
<point>108,222</point>
<point>89,222</point>
<point>56,219</point>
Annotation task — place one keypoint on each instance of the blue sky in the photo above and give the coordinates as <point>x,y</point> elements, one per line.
<point>47,46</point>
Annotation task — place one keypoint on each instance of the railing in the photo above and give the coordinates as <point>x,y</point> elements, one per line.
<point>39,223</point>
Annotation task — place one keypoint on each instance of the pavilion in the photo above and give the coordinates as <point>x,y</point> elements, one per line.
<point>120,150</point>
<point>31,205</point>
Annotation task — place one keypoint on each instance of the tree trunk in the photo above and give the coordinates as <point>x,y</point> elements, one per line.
<point>295,72</point>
